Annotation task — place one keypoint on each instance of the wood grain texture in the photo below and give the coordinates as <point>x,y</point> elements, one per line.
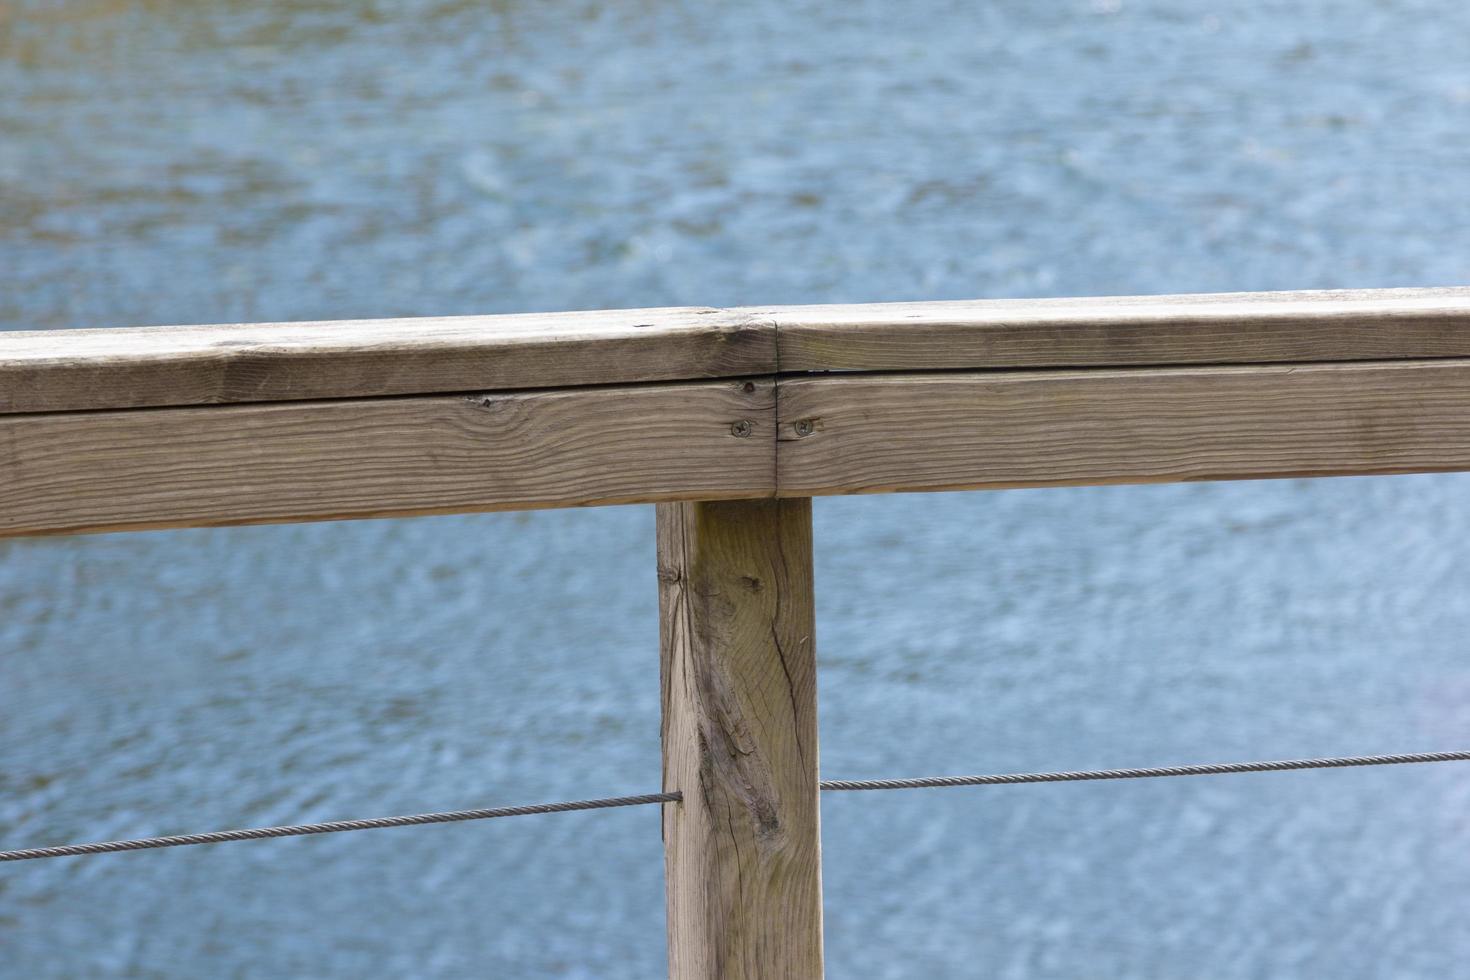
<point>307,461</point>
<point>1223,328</point>
<point>878,433</point>
<point>73,370</point>
<point>743,850</point>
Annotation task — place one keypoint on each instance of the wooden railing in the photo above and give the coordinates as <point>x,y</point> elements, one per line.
<point>730,420</point>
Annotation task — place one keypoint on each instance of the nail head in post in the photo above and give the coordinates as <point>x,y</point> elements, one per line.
<point>740,429</point>
<point>804,427</point>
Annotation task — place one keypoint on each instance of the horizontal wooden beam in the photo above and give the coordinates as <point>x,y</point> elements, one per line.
<point>1388,392</point>
<point>959,431</point>
<point>85,370</point>
<point>385,457</point>
<point>1224,328</point>
<point>729,439</point>
<point>80,370</point>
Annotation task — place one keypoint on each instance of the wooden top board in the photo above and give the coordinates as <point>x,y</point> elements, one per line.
<point>1124,331</point>
<point>146,367</point>
<point>79,370</point>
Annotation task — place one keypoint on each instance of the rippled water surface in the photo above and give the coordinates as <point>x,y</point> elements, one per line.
<point>167,162</point>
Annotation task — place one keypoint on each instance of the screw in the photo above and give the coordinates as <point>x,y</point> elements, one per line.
<point>740,429</point>
<point>804,427</point>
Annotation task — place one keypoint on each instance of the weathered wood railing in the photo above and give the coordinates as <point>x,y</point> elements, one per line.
<point>730,420</point>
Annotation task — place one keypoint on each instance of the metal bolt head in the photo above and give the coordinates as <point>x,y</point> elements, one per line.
<point>804,427</point>
<point>740,429</point>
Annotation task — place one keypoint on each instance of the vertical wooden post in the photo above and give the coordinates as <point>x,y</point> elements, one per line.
<point>743,850</point>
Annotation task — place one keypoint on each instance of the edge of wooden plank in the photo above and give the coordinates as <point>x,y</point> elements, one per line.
<point>139,469</point>
<point>997,430</point>
<point>1205,328</point>
<point>137,367</point>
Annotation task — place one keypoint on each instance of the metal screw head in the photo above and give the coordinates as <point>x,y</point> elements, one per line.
<point>804,427</point>
<point>740,429</point>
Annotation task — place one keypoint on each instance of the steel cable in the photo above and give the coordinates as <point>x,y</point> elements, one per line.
<point>1218,769</point>
<point>332,827</point>
<point>829,785</point>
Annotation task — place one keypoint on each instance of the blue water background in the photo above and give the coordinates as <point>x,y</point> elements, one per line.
<point>171,162</point>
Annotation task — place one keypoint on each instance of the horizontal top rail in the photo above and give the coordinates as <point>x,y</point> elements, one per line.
<point>1127,331</point>
<point>130,429</point>
<point>142,367</point>
<point>150,367</point>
